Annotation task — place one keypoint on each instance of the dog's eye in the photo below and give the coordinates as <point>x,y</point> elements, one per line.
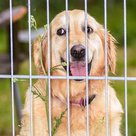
<point>61,31</point>
<point>89,29</point>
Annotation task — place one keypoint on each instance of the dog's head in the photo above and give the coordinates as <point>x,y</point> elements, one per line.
<point>77,50</point>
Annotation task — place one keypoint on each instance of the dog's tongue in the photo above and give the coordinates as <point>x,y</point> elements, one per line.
<point>78,69</point>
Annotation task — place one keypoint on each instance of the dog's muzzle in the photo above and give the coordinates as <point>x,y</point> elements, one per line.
<point>77,66</point>
<point>78,53</point>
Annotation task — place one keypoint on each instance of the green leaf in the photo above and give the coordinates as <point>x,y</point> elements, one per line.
<point>45,27</point>
<point>33,22</point>
<point>57,122</point>
<point>38,94</point>
<point>64,64</point>
<point>53,69</point>
<point>18,80</point>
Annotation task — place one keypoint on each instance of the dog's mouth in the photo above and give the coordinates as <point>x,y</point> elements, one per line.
<point>77,68</point>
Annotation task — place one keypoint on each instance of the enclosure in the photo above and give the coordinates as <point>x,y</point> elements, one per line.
<point>17,71</point>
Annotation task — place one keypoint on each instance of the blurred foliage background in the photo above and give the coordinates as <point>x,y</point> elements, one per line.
<point>115,26</point>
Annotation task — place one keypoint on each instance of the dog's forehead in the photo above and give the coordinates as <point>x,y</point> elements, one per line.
<point>74,17</point>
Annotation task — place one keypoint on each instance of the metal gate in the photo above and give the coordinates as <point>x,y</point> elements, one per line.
<point>125,78</point>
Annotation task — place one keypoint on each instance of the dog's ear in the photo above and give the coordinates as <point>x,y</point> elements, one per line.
<point>111,50</point>
<point>111,53</point>
<point>40,53</point>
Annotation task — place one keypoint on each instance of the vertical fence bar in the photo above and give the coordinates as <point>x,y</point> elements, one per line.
<point>86,44</point>
<point>30,68</point>
<point>125,69</point>
<point>12,71</point>
<point>106,68</point>
<point>49,66</point>
<point>67,46</point>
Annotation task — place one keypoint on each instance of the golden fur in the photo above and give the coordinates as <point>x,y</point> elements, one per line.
<point>97,114</point>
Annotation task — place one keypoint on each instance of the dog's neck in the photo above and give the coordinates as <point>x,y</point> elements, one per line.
<point>95,87</point>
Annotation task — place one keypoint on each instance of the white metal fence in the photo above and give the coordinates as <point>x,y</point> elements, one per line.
<point>125,78</point>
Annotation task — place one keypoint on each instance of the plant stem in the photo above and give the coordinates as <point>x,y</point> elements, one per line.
<point>46,104</point>
<point>57,122</point>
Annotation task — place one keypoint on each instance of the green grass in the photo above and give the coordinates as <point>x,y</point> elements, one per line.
<point>5,105</point>
<point>131,61</point>
<point>119,87</point>
<point>3,40</point>
<point>131,108</point>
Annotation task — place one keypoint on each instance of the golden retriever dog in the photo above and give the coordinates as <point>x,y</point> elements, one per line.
<point>77,67</point>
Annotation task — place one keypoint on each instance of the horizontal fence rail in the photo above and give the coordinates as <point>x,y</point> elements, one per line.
<point>120,78</point>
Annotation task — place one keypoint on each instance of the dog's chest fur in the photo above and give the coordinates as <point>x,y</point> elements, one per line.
<point>78,119</point>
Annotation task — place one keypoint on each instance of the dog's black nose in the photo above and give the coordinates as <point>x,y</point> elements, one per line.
<point>78,52</point>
